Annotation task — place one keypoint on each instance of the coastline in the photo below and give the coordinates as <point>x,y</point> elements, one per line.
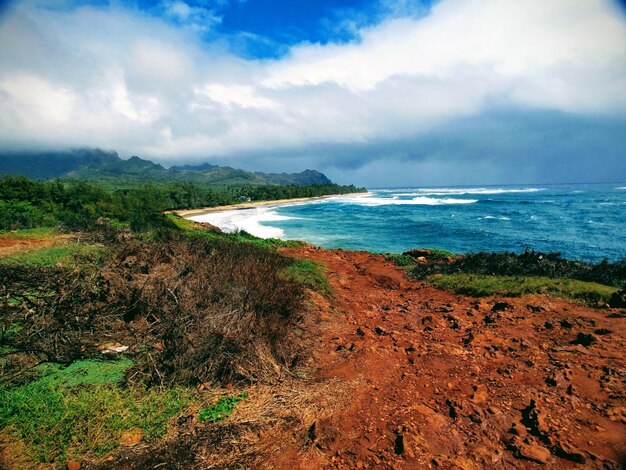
<point>251,205</point>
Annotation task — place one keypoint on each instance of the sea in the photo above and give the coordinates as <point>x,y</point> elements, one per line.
<point>582,221</point>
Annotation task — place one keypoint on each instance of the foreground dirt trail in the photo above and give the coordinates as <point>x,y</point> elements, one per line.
<point>456,382</point>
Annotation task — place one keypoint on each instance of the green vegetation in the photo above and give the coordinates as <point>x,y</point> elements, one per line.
<point>70,255</point>
<point>437,254</point>
<point>311,275</point>
<point>80,205</point>
<point>193,305</point>
<point>515,286</point>
<point>222,409</point>
<point>195,229</point>
<point>410,258</point>
<point>28,234</point>
<point>529,263</point>
<point>402,260</point>
<point>81,410</point>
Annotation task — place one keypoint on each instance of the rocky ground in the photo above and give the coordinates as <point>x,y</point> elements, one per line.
<point>406,376</point>
<point>448,381</point>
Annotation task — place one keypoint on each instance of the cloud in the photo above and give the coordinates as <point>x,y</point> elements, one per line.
<point>154,85</point>
<point>198,18</point>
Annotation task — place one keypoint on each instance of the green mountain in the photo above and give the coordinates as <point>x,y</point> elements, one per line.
<point>99,165</point>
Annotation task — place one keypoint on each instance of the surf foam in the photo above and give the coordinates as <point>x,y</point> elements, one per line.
<point>250,220</point>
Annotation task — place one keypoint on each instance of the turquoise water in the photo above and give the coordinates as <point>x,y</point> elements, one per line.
<point>580,221</point>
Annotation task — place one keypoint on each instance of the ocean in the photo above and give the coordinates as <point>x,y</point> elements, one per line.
<point>583,221</point>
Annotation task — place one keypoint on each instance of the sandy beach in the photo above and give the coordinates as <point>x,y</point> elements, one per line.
<point>251,205</point>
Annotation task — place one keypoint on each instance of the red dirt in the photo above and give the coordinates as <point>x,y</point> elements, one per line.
<point>451,383</point>
<point>12,246</point>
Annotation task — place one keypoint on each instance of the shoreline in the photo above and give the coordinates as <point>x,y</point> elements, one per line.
<point>185,213</point>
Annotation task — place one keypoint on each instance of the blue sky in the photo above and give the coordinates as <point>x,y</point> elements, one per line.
<point>385,92</point>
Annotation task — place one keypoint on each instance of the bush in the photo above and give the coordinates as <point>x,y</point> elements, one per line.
<point>221,310</point>
<point>20,214</point>
<point>529,263</point>
<point>217,310</point>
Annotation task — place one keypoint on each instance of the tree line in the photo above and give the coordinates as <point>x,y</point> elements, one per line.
<point>26,203</point>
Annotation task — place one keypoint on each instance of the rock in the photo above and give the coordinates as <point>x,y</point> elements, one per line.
<point>398,445</point>
<point>534,452</point>
<point>500,306</point>
<point>379,331</point>
<point>535,308</point>
<point>534,422</point>
<point>568,452</point>
<point>418,252</point>
<point>480,394</point>
<point>131,437</point>
<point>603,331</point>
<point>565,324</point>
<point>452,408</point>
<point>584,339</point>
<point>618,299</point>
<point>617,414</point>
<point>112,348</point>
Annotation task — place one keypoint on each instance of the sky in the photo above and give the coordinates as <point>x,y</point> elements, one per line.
<point>371,92</point>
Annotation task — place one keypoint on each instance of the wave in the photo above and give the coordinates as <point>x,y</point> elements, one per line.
<point>461,191</point>
<point>249,220</point>
<point>621,187</point>
<point>384,201</point>
<point>491,217</point>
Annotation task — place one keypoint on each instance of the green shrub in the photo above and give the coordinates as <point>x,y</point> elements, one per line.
<point>21,214</point>
<point>529,263</point>
<point>400,260</point>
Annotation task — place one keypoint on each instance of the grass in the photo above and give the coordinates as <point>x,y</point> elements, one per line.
<point>311,275</point>
<point>30,233</point>
<point>514,286</point>
<point>70,255</point>
<point>222,409</point>
<point>81,410</point>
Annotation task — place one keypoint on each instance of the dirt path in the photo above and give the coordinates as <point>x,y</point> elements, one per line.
<point>456,382</point>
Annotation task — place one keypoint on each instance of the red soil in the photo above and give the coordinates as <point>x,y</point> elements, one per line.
<point>457,382</point>
<point>11,246</point>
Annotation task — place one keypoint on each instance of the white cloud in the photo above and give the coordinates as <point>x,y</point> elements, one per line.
<point>115,78</point>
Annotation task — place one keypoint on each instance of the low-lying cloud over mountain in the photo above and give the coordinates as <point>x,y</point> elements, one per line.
<point>461,91</point>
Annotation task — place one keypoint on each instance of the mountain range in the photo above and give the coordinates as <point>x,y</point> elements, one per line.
<point>100,165</point>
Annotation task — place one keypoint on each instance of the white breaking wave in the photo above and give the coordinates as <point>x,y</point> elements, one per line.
<point>249,220</point>
<point>384,201</point>
<point>621,187</point>
<point>461,191</point>
<point>491,217</point>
